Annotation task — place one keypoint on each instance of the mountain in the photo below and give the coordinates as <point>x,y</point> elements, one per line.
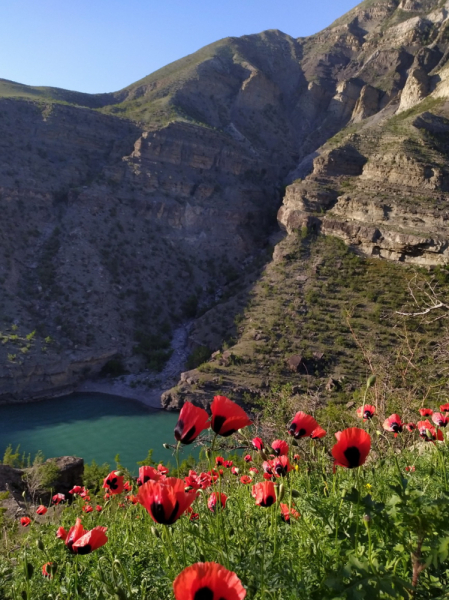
<point>125,214</point>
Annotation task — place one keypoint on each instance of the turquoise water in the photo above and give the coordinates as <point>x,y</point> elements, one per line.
<point>93,426</point>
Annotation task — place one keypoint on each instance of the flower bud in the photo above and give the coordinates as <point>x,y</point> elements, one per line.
<point>208,453</point>
<point>280,492</point>
<point>370,381</point>
<point>29,570</point>
<point>296,494</point>
<point>166,446</point>
<point>155,532</point>
<point>40,544</point>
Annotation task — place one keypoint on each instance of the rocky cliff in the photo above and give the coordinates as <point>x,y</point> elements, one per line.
<point>125,213</point>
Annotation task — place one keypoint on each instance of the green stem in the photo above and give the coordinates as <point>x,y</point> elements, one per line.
<point>181,519</point>
<point>356,543</point>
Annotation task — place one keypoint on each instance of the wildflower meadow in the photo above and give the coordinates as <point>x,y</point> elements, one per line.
<point>356,513</point>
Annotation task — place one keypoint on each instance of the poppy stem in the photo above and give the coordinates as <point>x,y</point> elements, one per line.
<point>182,521</point>
<point>356,543</point>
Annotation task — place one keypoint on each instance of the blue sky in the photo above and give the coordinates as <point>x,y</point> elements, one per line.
<point>104,45</point>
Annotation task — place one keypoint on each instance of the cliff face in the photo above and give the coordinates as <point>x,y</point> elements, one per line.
<point>123,213</point>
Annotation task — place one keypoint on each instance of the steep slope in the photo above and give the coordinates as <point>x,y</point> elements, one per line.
<point>124,213</point>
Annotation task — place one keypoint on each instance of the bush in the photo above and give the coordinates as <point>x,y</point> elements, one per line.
<point>197,357</point>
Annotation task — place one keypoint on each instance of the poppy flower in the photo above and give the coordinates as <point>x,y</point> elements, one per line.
<point>444,407</point>
<point>193,515</point>
<point>131,498</point>
<point>264,493</point>
<point>268,477</point>
<point>280,448</point>
<point>267,467</point>
<point>228,463</point>
<point>47,570</point>
<point>162,469</point>
<point>74,534</point>
<point>428,432</point>
<point>393,423</point>
<point>245,479</point>
<point>25,521</point>
<point>127,487</point>
<point>114,483</point>
<point>254,470</point>
<point>410,426</point>
<point>219,461</point>
<point>281,466</point>
<point>296,457</point>
<point>165,501</point>
<point>76,489</point>
<point>248,458</point>
<point>90,541</point>
<point>286,513</point>
<point>208,581</point>
<point>87,508</point>
<point>411,468</point>
<point>426,412</point>
<point>98,508</point>
<point>147,474</point>
<point>57,498</point>
<point>235,470</point>
<point>366,412</point>
<point>318,433</point>
<point>257,443</point>
<point>440,419</point>
<point>352,447</point>
<point>41,510</point>
<point>191,422</point>
<point>106,497</point>
<point>302,425</point>
<point>227,416</point>
<point>213,500</point>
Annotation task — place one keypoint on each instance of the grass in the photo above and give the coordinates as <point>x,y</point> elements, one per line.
<point>379,531</point>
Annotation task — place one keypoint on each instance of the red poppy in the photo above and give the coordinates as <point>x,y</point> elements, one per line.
<point>228,463</point>
<point>264,493</point>
<point>162,469</point>
<point>269,477</point>
<point>411,468</point>
<point>302,425</point>
<point>440,419</point>
<point>114,483</point>
<point>280,448</point>
<point>257,443</point>
<point>227,416</point>
<point>87,508</point>
<point>127,487</point>
<point>219,461</point>
<point>147,474</point>
<point>296,457</point>
<point>426,412</point>
<point>444,407</point>
<point>235,470</point>
<point>318,433</point>
<point>57,498</point>
<point>61,533</point>
<point>76,489</point>
<point>193,515</point>
<point>191,422</point>
<point>98,508</point>
<point>428,432</point>
<point>410,426</point>
<point>366,412</point>
<point>281,466</point>
<point>248,458</point>
<point>393,423</point>
<point>245,479</point>
<point>166,500</point>
<point>267,467</point>
<point>254,470</point>
<point>286,513</point>
<point>213,500</point>
<point>131,498</point>
<point>208,581</point>
<point>25,521</point>
<point>74,534</point>
<point>90,541</point>
<point>48,572</point>
<point>352,447</point>
<point>41,510</point>
<point>106,497</point>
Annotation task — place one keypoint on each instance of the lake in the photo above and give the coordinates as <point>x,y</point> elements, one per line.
<point>92,426</point>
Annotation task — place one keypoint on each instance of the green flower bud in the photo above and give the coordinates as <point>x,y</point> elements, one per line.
<point>166,446</point>
<point>40,544</point>
<point>155,532</point>
<point>296,494</point>
<point>370,381</point>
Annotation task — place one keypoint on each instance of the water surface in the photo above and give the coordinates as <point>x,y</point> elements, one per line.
<point>93,426</point>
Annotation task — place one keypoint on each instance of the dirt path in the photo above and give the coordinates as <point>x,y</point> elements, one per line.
<point>147,387</point>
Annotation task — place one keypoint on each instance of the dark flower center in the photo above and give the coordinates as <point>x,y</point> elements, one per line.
<point>158,512</point>
<point>204,593</point>
<point>396,427</point>
<point>367,414</point>
<point>352,455</point>
<point>84,549</point>
<point>269,501</point>
<point>112,483</point>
